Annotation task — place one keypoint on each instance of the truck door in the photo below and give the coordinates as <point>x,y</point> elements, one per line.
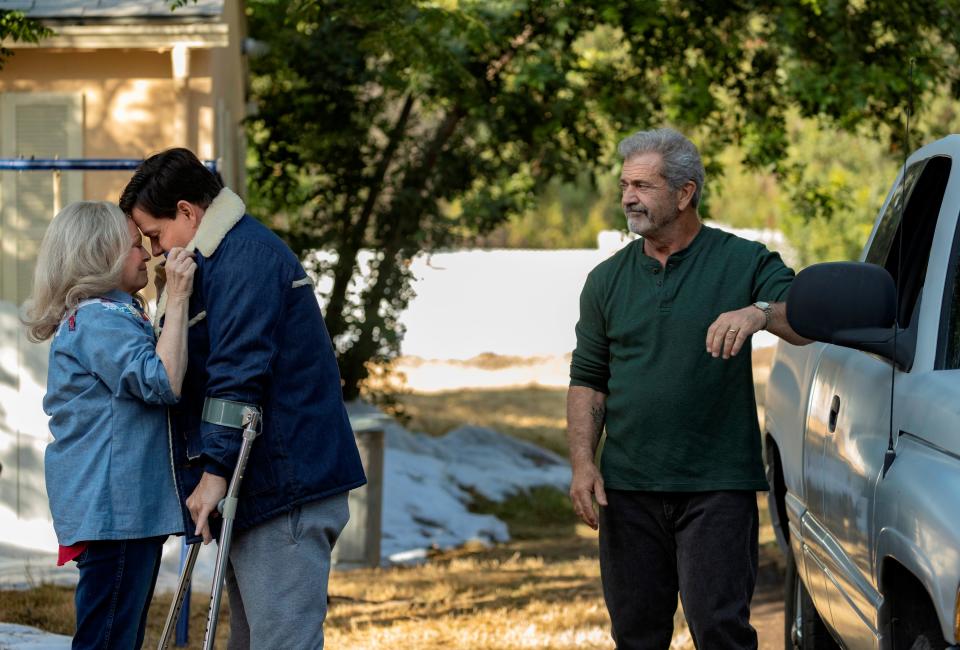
<point>849,418</point>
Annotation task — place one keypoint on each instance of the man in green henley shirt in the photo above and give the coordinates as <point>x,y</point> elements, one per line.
<point>658,363</point>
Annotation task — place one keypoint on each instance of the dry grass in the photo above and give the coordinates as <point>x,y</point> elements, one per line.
<point>536,593</point>
<point>529,594</point>
<point>47,607</point>
<point>50,608</point>
<point>541,590</point>
<point>483,361</point>
<point>534,413</point>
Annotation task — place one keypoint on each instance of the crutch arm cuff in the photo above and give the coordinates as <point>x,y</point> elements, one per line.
<point>226,412</point>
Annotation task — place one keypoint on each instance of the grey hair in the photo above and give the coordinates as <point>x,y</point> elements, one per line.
<point>81,256</point>
<point>681,160</point>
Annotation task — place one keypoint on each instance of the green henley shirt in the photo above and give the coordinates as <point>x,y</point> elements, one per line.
<point>678,419</point>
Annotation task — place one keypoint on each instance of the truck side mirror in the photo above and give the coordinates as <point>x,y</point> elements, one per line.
<point>853,304</point>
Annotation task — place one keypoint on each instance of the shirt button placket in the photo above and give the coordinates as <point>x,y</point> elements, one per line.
<point>661,278</point>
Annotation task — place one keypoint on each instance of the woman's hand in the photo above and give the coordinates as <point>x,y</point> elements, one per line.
<point>179,269</point>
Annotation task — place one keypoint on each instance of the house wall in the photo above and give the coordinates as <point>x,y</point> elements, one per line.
<point>229,72</point>
<point>127,103</point>
<point>130,101</point>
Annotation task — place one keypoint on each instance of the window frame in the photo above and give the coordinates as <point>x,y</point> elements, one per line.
<point>949,327</point>
<point>909,278</point>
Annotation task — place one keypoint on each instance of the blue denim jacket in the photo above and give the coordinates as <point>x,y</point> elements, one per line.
<point>257,336</point>
<point>109,471</point>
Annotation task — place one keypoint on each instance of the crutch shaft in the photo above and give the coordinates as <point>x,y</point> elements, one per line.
<point>228,508</point>
<point>213,615</point>
<point>182,585</point>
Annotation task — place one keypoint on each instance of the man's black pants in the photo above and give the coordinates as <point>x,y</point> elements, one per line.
<point>702,544</point>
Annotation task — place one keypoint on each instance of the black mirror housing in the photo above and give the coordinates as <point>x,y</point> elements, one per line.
<point>853,304</point>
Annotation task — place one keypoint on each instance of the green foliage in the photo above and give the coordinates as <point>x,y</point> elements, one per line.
<point>832,184</point>
<point>16,27</point>
<point>565,215</point>
<point>404,125</point>
<point>835,194</point>
<point>825,199</point>
<point>538,513</point>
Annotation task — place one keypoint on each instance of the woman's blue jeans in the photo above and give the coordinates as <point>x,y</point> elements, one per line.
<point>112,598</point>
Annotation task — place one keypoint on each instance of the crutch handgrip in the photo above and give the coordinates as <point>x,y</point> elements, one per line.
<point>228,507</point>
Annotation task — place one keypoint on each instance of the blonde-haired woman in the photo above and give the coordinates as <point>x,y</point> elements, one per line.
<point>108,470</point>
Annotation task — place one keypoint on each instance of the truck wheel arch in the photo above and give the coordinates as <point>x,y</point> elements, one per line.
<point>908,615</point>
<point>776,497</point>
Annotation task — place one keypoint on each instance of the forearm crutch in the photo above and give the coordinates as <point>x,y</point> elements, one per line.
<point>249,420</point>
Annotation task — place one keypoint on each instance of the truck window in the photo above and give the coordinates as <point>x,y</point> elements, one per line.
<point>883,241</point>
<point>952,360</point>
<point>948,346</point>
<point>903,239</point>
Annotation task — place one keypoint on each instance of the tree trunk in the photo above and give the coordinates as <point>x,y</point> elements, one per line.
<point>388,274</point>
<point>346,266</point>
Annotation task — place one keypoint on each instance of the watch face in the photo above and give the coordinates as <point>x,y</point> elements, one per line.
<point>762,305</point>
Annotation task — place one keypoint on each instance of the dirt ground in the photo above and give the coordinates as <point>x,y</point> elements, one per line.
<point>541,590</point>
<point>766,612</point>
<point>529,395</point>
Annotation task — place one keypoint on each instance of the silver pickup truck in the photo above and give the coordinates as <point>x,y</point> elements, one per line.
<point>862,428</point>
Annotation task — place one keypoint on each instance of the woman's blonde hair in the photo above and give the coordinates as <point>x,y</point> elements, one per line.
<point>81,256</point>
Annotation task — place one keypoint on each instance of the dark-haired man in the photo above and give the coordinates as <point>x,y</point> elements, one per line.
<point>658,364</point>
<point>256,337</point>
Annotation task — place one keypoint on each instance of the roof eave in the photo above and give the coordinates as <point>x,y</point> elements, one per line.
<point>141,36</point>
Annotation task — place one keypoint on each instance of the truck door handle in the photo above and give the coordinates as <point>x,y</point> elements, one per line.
<point>834,412</point>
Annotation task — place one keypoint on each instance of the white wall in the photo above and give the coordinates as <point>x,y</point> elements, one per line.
<point>24,514</point>
<point>511,302</point>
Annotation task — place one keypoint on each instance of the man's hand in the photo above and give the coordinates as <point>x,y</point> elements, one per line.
<point>587,484</point>
<point>731,330</point>
<point>204,501</point>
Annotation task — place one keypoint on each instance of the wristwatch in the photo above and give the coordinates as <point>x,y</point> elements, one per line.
<point>767,309</point>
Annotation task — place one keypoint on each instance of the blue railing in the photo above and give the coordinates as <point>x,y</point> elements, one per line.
<point>103,164</point>
<point>78,164</point>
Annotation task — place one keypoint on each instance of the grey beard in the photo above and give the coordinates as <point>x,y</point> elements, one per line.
<point>635,214</point>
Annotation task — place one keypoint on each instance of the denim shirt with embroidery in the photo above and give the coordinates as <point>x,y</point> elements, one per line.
<point>109,469</point>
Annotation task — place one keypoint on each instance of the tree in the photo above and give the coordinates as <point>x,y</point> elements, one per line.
<point>16,27</point>
<point>398,125</point>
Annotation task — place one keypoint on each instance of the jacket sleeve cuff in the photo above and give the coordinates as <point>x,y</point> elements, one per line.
<point>221,447</point>
<point>211,466</point>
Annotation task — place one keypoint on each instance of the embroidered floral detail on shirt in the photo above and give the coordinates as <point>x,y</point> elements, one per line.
<point>131,308</point>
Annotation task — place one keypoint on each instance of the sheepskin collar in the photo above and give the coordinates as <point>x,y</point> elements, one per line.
<point>222,215</point>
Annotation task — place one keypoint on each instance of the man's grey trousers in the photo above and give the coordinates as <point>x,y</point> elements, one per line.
<point>277,577</point>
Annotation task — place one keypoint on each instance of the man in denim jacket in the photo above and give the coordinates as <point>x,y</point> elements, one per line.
<point>256,336</point>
